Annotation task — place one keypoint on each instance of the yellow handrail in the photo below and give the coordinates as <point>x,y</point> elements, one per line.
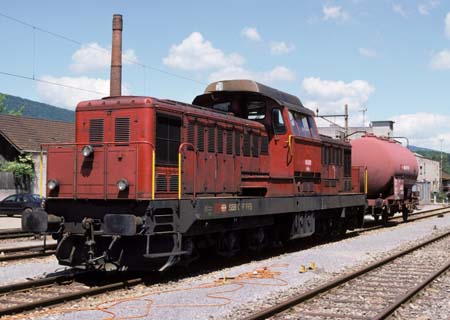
<point>41,171</point>
<point>179,175</point>
<point>153,172</point>
<point>366,180</point>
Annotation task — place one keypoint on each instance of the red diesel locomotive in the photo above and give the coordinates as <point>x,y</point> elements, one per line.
<point>150,182</point>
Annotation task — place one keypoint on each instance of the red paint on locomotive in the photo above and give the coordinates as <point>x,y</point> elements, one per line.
<point>149,181</point>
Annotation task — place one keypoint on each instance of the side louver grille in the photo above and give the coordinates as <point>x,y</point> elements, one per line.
<point>122,130</point>
<point>96,130</point>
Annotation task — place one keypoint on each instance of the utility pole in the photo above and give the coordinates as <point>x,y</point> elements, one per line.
<point>345,116</point>
<point>364,110</point>
<point>440,175</point>
<point>346,120</point>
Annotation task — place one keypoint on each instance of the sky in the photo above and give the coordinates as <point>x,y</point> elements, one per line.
<point>389,57</point>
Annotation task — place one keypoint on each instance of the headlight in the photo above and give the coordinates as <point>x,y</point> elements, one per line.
<point>87,151</point>
<point>52,184</point>
<point>122,184</point>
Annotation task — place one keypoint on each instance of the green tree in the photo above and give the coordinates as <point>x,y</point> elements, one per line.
<point>12,112</point>
<point>22,169</point>
<point>23,166</point>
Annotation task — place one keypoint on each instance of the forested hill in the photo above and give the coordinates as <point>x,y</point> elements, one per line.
<point>434,155</point>
<point>34,109</point>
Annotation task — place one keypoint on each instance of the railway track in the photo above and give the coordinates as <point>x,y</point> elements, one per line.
<point>416,216</point>
<point>14,234</point>
<point>26,252</point>
<point>34,294</point>
<point>373,292</point>
<point>423,214</point>
<point>29,295</point>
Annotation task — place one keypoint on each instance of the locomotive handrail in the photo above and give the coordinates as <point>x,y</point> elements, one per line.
<point>41,156</point>
<point>290,144</point>
<point>180,149</point>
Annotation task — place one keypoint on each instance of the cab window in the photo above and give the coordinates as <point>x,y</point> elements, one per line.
<point>222,106</point>
<point>278,122</point>
<point>256,110</point>
<point>302,123</point>
<point>313,128</point>
<point>295,129</point>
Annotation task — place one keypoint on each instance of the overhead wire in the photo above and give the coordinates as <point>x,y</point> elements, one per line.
<point>49,82</point>
<point>74,41</point>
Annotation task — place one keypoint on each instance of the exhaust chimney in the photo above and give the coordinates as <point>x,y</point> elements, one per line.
<point>115,86</point>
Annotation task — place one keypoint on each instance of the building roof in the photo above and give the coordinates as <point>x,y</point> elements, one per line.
<point>445,176</point>
<point>27,134</point>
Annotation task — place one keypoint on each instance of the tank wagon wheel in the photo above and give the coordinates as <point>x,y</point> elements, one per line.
<point>384,217</point>
<point>405,213</point>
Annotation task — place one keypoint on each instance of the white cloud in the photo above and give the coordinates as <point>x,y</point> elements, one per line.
<point>423,129</point>
<point>251,34</point>
<point>331,96</point>
<point>68,97</point>
<point>277,74</point>
<point>92,56</point>
<point>398,8</point>
<point>367,52</point>
<point>425,8</point>
<point>420,125</point>
<point>281,47</point>
<point>441,60</point>
<point>334,13</point>
<point>447,25</point>
<point>195,53</point>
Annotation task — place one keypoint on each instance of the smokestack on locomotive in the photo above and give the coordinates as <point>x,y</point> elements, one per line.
<point>116,57</point>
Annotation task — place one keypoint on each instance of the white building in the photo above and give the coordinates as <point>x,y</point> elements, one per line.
<point>428,172</point>
<point>378,128</point>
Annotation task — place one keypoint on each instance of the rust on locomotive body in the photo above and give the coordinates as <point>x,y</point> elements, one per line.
<point>150,182</point>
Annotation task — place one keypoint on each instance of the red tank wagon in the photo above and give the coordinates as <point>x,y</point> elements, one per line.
<point>391,172</point>
<point>150,182</point>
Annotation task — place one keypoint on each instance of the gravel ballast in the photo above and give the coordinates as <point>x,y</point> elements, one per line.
<point>210,297</point>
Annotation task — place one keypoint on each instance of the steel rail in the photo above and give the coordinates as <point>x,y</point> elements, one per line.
<point>27,256</point>
<point>264,314</point>
<point>36,251</point>
<point>403,299</point>
<point>59,298</point>
<point>417,216</point>
<point>36,283</point>
<point>14,234</point>
<point>28,248</point>
<point>413,217</point>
